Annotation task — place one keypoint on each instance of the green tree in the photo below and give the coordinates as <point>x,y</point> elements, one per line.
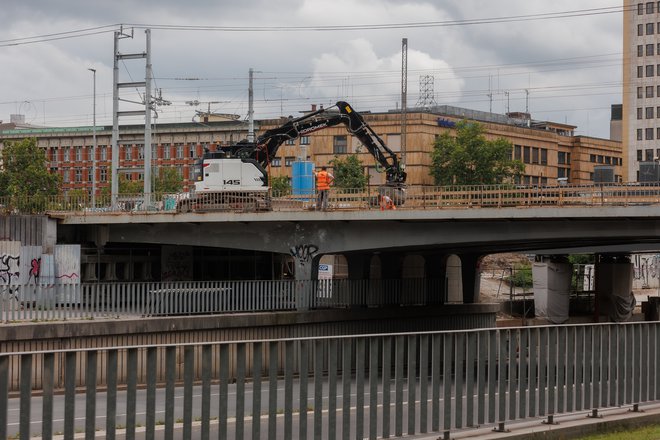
<point>24,171</point>
<point>468,158</point>
<point>349,172</point>
<point>281,185</point>
<point>168,180</point>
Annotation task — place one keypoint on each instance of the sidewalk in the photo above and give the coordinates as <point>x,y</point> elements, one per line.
<point>568,426</point>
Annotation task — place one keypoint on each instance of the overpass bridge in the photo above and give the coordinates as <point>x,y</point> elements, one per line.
<point>432,227</point>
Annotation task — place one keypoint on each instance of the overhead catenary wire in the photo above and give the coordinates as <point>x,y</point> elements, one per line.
<point>77,33</point>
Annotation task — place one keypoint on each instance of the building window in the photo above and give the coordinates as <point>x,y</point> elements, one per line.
<point>535,155</point>
<point>104,152</point>
<point>65,176</point>
<point>544,156</point>
<point>79,154</point>
<point>304,140</point>
<point>192,151</point>
<point>650,49</point>
<point>649,112</point>
<point>650,69</point>
<point>140,151</point>
<point>657,134</point>
<point>77,174</point>
<point>526,155</point>
<point>103,174</point>
<point>640,71</point>
<point>640,9</point>
<point>179,151</point>
<point>608,160</point>
<point>290,142</point>
<point>639,155</point>
<point>640,50</point>
<point>340,144</point>
<point>640,92</point>
<point>640,112</point>
<point>288,161</point>
<point>563,172</point>
<point>650,28</point>
<point>166,151</point>
<point>650,7</point>
<point>592,158</point>
<point>648,155</point>
<point>66,155</point>
<point>90,174</point>
<point>649,91</point>
<point>517,152</point>
<point>640,30</point>
<point>639,134</point>
<point>276,162</point>
<point>649,134</point>
<point>561,158</point>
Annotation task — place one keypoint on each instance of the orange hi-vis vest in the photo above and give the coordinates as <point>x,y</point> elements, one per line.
<point>322,181</point>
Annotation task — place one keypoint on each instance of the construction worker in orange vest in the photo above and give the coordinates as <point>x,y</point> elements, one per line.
<point>323,181</point>
<point>386,202</point>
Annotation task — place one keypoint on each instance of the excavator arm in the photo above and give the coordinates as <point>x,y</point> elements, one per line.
<point>267,145</point>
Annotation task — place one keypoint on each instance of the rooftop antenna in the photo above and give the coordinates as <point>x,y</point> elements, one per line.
<point>426,93</point>
<point>490,92</point>
<point>526,100</point>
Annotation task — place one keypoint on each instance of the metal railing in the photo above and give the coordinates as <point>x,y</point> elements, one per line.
<point>113,300</point>
<point>416,197</point>
<point>371,386</point>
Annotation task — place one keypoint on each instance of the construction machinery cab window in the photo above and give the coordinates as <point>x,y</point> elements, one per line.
<point>340,144</point>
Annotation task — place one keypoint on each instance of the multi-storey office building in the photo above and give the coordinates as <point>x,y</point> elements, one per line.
<point>641,85</point>
<point>550,151</point>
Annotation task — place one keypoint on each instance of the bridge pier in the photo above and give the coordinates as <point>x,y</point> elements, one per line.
<point>471,277</point>
<point>613,285</point>
<point>435,269</point>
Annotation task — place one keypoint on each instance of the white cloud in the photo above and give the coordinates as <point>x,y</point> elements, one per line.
<point>299,68</point>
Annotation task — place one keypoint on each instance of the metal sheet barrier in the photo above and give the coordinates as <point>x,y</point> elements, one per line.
<point>371,386</point>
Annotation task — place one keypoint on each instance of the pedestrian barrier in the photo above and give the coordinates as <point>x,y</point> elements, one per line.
<point>368,386</point>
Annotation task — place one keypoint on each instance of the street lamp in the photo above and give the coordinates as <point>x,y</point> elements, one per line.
<point>94,140</point>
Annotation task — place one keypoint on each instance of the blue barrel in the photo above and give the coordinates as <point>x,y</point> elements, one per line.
<point>302,181</point>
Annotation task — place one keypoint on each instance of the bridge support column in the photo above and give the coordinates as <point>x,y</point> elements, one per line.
<point>307,271</point>
<point>471,277</point>
<point>436,277</point>
<point>391,271</point>
<point>614,279</point>
<point>359,293</point>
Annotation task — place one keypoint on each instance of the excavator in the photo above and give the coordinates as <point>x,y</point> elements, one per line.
<point>237,173</point>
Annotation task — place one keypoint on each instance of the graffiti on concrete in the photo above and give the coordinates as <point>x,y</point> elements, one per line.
<point>177,263</point>
<point>304,253</point>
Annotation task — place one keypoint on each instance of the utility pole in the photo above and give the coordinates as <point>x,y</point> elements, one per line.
<point>93,138</point>
<point>250,137</point>
<point>147,122</point>
<point>145,102</point>
<point>404,98</point>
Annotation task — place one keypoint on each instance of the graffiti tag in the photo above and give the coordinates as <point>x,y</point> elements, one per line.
<point>304,253</point>
<point>9,265</point>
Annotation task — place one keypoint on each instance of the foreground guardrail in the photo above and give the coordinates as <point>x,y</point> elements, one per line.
<point>415,197</point>
<point>112,300</point>
<point>374,386</point>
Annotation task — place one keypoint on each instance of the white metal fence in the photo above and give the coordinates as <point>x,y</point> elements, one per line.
<point>113,300</point>
<point>370,386</point>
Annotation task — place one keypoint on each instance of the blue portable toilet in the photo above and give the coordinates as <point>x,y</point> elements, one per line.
<point>302,181</point>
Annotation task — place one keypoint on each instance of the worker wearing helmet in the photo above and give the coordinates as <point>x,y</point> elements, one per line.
<point>323,181</point>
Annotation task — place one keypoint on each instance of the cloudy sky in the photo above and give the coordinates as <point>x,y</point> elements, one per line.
<point>560,59</point>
